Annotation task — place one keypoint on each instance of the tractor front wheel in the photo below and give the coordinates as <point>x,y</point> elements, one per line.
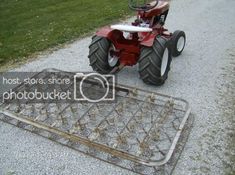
<point>154,62</point>
<point>178,41</point>
<point>102,55</point>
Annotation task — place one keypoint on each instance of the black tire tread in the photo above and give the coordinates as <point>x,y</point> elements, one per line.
<point>98,54</point>
<point>150,62</point>
<point>174,39</point>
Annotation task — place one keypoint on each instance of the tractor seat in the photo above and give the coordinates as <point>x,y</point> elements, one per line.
<point>159,9</point>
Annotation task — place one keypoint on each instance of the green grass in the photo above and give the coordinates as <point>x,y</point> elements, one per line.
<point>29,26</point>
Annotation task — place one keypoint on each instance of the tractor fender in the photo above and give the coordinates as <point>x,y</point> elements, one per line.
<point>111,34</point>
<point>148,40</point>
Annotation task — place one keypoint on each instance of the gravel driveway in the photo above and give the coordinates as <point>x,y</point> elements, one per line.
<point>204,75</point>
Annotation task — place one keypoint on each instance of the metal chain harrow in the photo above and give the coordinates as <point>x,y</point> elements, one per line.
<point>140,131</point>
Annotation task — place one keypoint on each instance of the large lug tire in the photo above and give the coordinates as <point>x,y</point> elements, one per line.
<point>154,62</point>
<point>99,55</point>
<point>178,42</point>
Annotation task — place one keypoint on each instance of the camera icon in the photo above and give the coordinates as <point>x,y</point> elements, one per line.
<point>94,87</point>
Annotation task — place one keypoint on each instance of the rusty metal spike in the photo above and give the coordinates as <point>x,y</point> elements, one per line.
<point>121,139</point>
<point>134,92</point>
<point>151,97</point>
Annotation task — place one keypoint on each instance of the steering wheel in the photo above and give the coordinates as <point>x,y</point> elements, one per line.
<point>134,5</point>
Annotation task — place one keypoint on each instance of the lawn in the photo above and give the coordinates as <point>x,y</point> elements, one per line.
<point>29,26</point>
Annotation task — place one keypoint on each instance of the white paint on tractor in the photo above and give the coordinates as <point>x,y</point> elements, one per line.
<point>165,59</point>
<point>131,29</point>
<point>181,44</point>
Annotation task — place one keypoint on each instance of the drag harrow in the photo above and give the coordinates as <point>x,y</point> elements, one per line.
<point>140,131</point>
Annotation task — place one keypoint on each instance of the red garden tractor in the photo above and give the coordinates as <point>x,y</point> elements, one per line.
<point>145,41</point>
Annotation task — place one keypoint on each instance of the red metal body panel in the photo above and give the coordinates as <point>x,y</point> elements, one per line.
<point>128,49</point>
<point>148,39</point>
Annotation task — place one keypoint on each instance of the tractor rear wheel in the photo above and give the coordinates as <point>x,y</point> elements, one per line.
<point>154,62</point>
<point>102,55</point>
